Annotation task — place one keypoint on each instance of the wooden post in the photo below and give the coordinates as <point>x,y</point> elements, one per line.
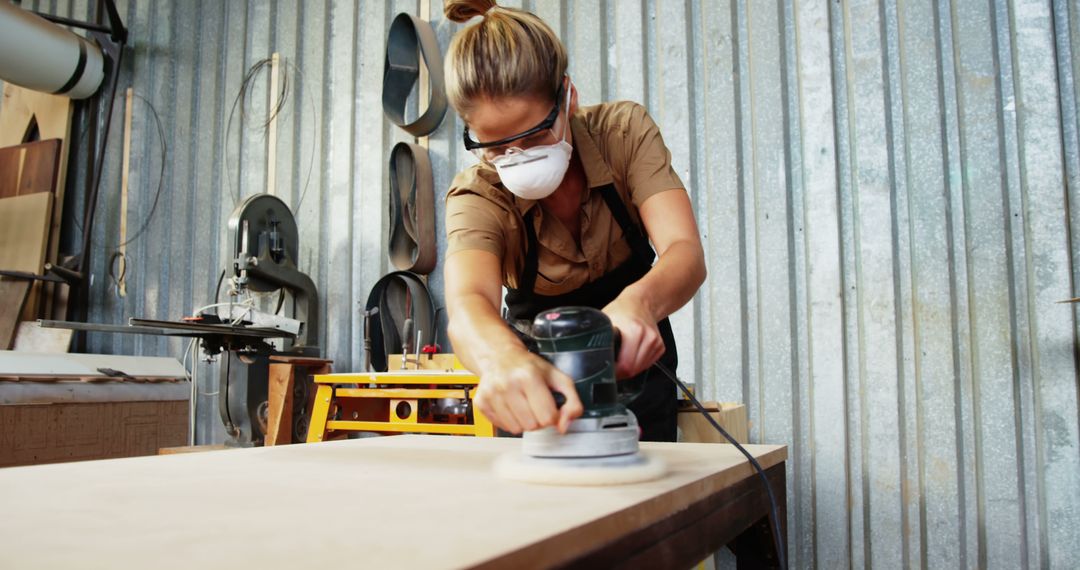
<point>280,404</point>
<point>271,132</point>
<point>121,280</point>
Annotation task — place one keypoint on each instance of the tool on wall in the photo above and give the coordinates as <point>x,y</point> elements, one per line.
<point>410,41</point>
<point>399,317</point>
<point>399,306</point>
<point>265,247</point>
<point>412,209</point>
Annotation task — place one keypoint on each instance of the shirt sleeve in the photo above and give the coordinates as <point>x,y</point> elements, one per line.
<point>472,222</point>
<point>649,170</point>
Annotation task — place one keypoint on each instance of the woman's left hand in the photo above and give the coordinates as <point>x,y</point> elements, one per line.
<point>641,342</point>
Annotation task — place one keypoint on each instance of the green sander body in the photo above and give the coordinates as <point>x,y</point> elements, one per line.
<point>580,342</point>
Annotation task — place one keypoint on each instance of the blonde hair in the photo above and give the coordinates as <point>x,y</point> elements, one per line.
<point>510,53</point>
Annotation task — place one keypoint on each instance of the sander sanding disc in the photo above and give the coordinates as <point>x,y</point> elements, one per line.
<point>598,471</point>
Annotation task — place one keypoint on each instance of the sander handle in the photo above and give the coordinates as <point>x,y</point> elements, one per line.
<point>616,341</point>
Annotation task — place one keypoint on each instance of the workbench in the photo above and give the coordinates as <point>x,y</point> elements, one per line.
<point>388,502</point>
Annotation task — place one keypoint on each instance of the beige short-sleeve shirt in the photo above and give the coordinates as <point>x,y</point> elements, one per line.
<point>617,143</point>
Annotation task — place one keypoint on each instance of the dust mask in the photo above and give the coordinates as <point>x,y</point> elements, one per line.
<point>536,172</point>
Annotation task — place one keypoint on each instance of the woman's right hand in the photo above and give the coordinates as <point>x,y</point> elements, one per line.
<point>515,393</point>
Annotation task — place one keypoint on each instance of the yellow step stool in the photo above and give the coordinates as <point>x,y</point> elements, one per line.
<point>432,395</point>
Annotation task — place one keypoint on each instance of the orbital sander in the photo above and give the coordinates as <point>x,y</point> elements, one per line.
<point>601,446</point>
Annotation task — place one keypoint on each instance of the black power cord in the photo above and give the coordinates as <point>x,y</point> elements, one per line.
<point>780,546</point>
<point>157,192</point>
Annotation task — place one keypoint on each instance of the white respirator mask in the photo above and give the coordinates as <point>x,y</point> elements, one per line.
<point>535,173</point>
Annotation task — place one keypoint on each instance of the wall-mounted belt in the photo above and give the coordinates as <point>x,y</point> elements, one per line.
<point>409,38</point>
<point>404,309</point>
<point>412,209</point>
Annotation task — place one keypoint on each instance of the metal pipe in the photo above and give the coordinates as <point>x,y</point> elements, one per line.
<point>39,55</point>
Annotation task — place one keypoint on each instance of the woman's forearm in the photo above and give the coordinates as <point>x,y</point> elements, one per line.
<point>477,332</point>
<point>672,281</point>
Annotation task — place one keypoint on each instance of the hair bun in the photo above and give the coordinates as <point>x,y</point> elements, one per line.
<point>464,10</point>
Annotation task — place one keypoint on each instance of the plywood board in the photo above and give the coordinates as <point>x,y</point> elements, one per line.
<point>67,391</point>
<point>24,223</point>
<point>40,167</point>
<point>390,502</point>
<point>24,226</point>
<point>192,449</point>
<point>12,298</point>
<point>31,337</point>
<point>29,168</point>
<point>10,170</point>
<point>29,364</point>
<point>52,114</point>
<point>695,428</point>
<point>51,433</point>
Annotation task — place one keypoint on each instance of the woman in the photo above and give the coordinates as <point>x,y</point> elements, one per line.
<point>560,210</point>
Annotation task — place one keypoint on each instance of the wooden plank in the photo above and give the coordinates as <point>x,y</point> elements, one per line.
<point>271,129</point>
<point>31,337</point>
<point>24,227</point>
<point>36,172</point>
<point>731,416</point>
<point>30,167</point>
<point>12,299</point>
<point>10,170</point>
<point>52,114</point>
<point>191,449</point>
<point>52,433</point>
<point>39,168</point>
<point>389,496</point>
<point>279,404</point>
<point>28,364</point>
<point>121,285</point>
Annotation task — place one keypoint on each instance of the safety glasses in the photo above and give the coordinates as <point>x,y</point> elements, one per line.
<point>497,148</point>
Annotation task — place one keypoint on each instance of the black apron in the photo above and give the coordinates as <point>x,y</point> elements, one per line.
<point>655,408</point>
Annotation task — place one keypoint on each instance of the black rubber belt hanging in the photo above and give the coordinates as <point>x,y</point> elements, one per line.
<point>412,209</point>
<point>398,296</point>
<point>409,38</point>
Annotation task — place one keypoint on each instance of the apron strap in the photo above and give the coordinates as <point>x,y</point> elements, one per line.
<point>527,282</point>
<point>639,244</point>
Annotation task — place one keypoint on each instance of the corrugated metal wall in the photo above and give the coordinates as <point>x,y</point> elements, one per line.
<point>882,188</point>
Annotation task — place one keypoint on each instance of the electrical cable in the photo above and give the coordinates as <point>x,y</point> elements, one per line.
<point>241,100</point>
<point>157,192</point>
<point>280,301</point>
<point>780,546</point>
<point>217,290</point>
